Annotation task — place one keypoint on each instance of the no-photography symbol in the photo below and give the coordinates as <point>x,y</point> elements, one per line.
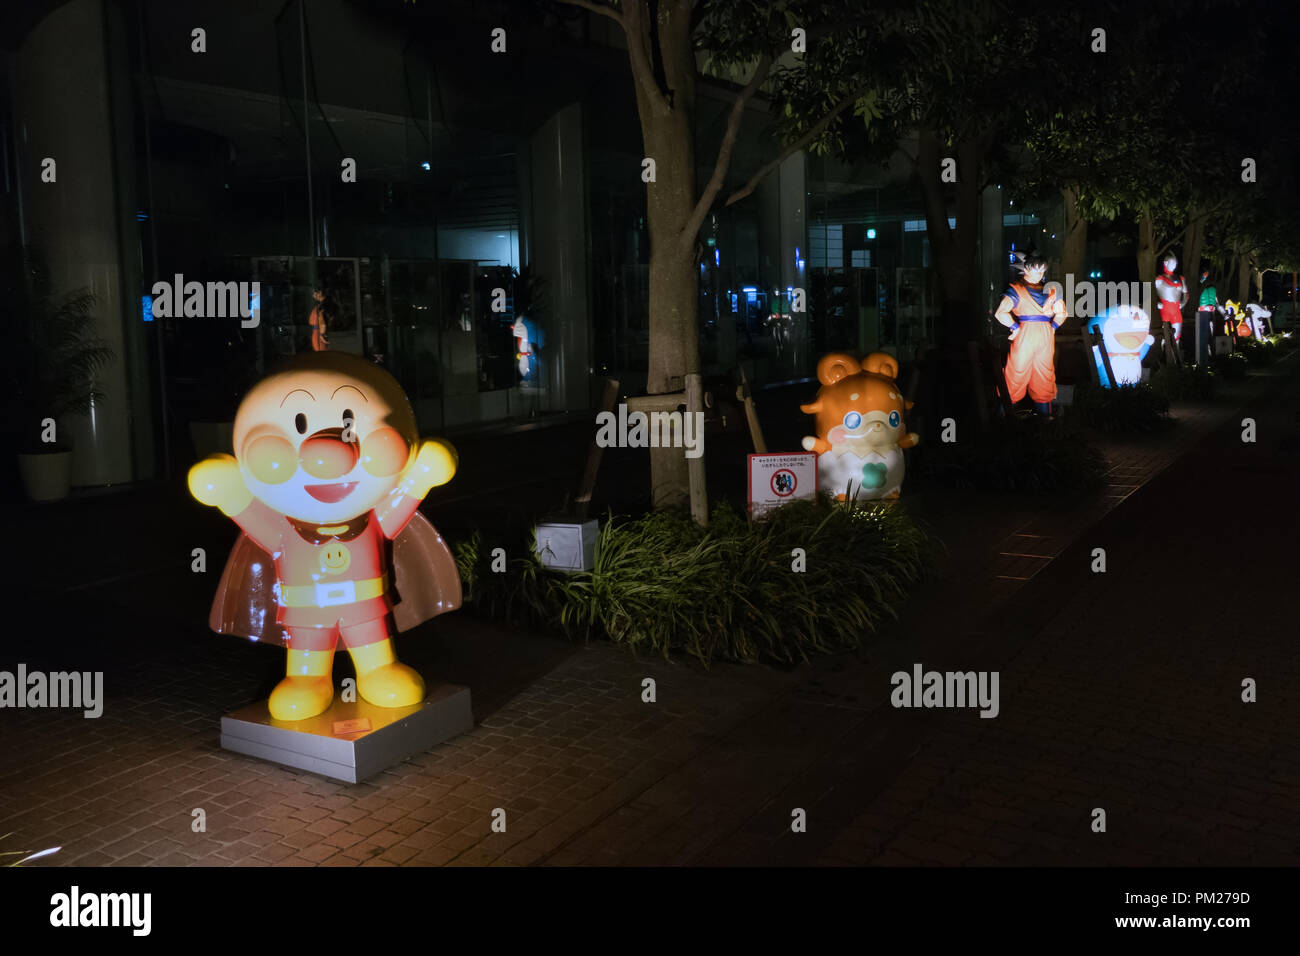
<point>784,482</point>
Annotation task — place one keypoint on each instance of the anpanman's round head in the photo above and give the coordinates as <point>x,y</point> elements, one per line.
<point>324,437</point>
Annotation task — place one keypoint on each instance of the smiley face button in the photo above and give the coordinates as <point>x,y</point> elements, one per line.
<point>335,558</point>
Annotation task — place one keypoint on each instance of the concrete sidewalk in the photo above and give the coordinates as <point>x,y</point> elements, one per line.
<point>1119,691</point>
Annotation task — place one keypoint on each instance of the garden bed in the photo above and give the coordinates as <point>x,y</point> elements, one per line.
<point>812,577</point>
<point>1126,409</point>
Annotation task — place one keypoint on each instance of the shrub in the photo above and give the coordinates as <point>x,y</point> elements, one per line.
<point>1230,367</point>
<point>1020,455</point>
<point>1258,353</point>
<point>662,583</point>
<point>1284,341</point>
<point>1126,408</point>
<point>1180,383</point>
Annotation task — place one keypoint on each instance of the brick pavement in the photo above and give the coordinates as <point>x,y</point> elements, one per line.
<point>1122,691</point>
<point>1139,718</point>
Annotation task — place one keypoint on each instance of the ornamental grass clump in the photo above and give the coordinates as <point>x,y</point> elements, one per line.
<point>736,590</point>
<point>1230,367</point>
<point>1180,383</point>
<point>1257,352</point>
<point>1124,408</point>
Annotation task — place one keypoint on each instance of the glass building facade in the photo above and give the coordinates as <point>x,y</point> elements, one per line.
<point>474,221</point>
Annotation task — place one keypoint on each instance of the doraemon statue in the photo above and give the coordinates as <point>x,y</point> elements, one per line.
<point>1126,335</point>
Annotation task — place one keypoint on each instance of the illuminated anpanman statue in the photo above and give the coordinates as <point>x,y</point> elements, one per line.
<point>327,476</point>
<point>860,432</point>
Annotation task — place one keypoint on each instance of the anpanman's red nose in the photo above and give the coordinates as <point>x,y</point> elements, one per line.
<point>327,456</point>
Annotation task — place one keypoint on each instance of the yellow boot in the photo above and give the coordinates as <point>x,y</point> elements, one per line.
<point>381,679</point>
<point>307,690</point>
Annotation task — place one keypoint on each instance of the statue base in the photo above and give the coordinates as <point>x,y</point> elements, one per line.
<point>350,741</point>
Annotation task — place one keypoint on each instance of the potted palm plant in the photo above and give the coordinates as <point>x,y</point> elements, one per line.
<point>58,356</point>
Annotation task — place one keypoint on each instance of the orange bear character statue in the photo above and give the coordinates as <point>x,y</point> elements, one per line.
<point>326,478</point>
<point>860,431</point>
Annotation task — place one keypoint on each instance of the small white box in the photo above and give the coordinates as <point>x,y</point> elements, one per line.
<point>567,546</point>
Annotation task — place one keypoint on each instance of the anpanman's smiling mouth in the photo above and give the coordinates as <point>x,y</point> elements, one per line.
<point>330,493</point>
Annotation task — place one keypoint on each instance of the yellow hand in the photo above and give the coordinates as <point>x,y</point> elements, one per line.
<point>217,481</point>
<point>434,465</point>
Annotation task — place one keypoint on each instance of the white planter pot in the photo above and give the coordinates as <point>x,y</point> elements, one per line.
<point>46,476</point>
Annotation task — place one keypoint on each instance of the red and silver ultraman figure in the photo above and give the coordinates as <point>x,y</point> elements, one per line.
<point>1171,290</point>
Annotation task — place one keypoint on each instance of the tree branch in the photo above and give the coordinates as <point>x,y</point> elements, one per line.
<point>637,29</point>
<point>914,160</point>
<point>936,212</point>
<point>797,145</point>
<point>628,16</point>
<point>728,143</point>
<point>600,8</point>
<point>1218,205</point>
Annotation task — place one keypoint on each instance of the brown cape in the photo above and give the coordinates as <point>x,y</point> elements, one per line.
<point>423,583</point>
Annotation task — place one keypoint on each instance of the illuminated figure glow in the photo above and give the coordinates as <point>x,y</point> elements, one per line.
<point>1033,316</point>
<point>318,322</point>
<point>523,348</point>
<point>528,339</point>
<point>1172,292</point>
<point>1238,322</point>
<point>328,471</point>
<point>1260,319</point>
<point>859,424</point>
<point>1205,311</point>
<point>1126,335</point>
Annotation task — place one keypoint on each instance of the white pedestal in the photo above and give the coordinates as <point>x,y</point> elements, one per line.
<point>350,742</point>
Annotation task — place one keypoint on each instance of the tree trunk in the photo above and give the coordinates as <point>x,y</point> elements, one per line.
<point>948,375</point>
<point>1193,242</point>
<point>674,290</point>
<point>1146,247</point>
<point>955,249</point>
<point>674,353</point>
<point>1243,279</point>
<point>667,130</point>
<point>1075,248</point>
